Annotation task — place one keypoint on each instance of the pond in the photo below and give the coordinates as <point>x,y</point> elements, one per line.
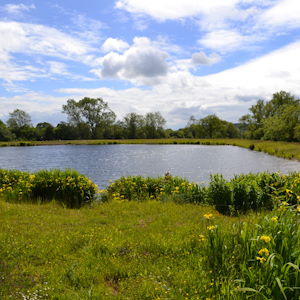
<point>108,162</point>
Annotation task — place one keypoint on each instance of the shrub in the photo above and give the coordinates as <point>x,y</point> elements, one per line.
<point>67,187</point>
<point>161,188</point>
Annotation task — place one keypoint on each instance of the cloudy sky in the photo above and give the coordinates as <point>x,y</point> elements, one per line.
<point>179,57</point>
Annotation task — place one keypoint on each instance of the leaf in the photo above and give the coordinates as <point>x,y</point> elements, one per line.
<point>246,289</point>
<point>281,287</point>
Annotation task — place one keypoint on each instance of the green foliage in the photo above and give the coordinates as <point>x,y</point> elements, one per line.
<point>210,127</point>
<point>93,112</point>
<point>70,188</point>
<point>162,188</point>
<point>243,193</point>
<point>275,120</point>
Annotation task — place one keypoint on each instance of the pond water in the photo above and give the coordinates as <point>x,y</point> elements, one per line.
<point>108,162</point>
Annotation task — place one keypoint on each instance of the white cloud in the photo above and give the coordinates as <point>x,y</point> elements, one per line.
<point>36,40</point>
<point>142,63</point>
<point>224,40</point>
<point>229,94</point>
<point>40,39</point>
<point>112,44</point>
<point>284,13</point>
<point>56,67</point>
<point>17,9</point>
<point>200,58</point>
<point>173,9</point>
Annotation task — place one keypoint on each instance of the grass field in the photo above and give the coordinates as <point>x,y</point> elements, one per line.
<point>146,250</point>
<point>280,149</point>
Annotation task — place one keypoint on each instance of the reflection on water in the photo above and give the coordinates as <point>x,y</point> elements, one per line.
<point>108,162</point>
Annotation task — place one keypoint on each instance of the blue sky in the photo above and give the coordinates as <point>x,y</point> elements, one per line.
<point>179,57</point>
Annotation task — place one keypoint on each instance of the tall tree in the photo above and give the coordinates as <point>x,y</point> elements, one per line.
<point>154,125</point>
<point>133,124</point>
<point>19,123</point>
<point>92,111</point>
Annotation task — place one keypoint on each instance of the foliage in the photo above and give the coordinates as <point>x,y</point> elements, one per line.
<point>275,120</point>
<point>68,187</point>
<point>210,127</point>
<point>162,188</point>
<point>93,112</point>
<point>238,195</point>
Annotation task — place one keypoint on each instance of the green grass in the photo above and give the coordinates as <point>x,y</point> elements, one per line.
<point>280,149</point>
<point>146,250</point>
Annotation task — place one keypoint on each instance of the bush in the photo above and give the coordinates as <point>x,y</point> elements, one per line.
<point>68,187</point>
<point>161,188</point>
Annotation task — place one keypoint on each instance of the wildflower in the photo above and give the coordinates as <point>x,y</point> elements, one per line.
<point>264,251</point>
<point>265,238</point>
<point>288,191</point>
<point>274,219</point>
<point>208,216</point>
<point>211,228</point>
<point>201,238</point>
<point>260,259</point>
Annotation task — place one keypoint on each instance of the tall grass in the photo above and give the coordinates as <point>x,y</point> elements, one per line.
<point>238,195</point>
<point>68,187</point>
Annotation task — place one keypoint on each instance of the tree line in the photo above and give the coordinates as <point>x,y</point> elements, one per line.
<point>92,118</point>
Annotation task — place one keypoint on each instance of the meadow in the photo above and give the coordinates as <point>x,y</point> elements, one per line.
<point>287,150</point>
<point>152,238</point>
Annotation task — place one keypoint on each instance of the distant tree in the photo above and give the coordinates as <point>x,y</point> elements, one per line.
<point>94,112</point>
<point>133,125</point>
<point>19,123</point>
<point>18,118</point>
<point>275,120</point>
<point>45,131</point>
<point>283,126</point>
<point>65,131</point>
<point>5,133</point>
<point>154,125</point>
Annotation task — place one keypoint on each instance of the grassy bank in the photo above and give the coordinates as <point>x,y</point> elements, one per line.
<point>147,250</point>
<point>280,149</point>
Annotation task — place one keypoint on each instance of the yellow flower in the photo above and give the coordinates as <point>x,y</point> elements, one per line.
<point>264,251</point>
<point>274,219</point>
<point>201,238</point>
<point>208,216</point>
<point>265,238</point>
<point>211,227</point>
<point>260,259</point>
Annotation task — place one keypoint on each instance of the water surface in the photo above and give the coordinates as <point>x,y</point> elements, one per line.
<point>108,162</point>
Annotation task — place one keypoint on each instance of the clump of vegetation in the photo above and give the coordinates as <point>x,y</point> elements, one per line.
<point>161,188</point>
<point>68,187</point>
<point>235,196</point>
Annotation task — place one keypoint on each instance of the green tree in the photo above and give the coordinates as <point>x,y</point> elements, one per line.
<point>94,112</point>
<point>133,124</point>
<point>45,131</point>
<point>19,123</point>
<point>154,125</point>
<point>283,125</point>
<point>5,133</point>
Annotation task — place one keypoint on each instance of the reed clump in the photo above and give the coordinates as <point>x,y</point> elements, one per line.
<point>68,187</point>
<point>242,193</point>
